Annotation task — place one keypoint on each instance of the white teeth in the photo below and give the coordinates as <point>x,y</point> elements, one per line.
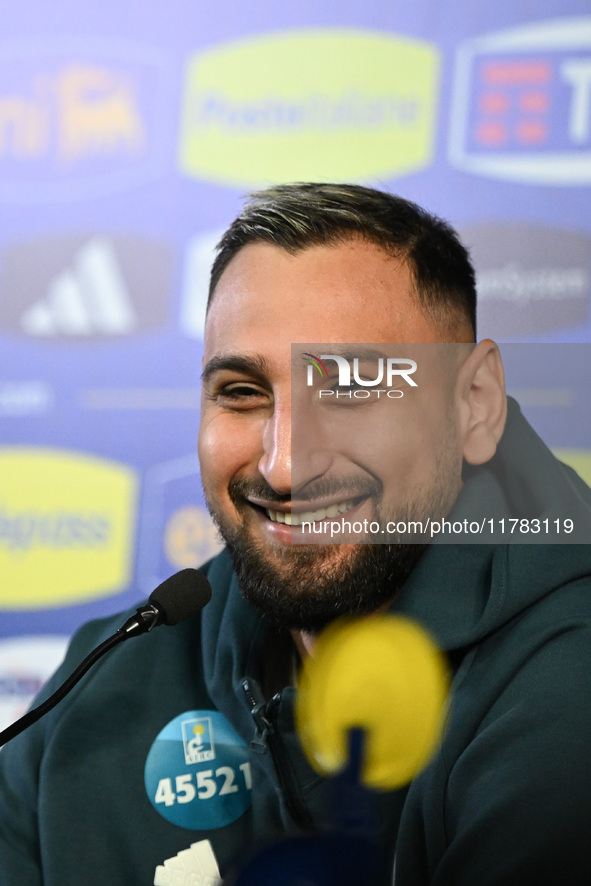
<point>292,519</point>
<point>307,517</point>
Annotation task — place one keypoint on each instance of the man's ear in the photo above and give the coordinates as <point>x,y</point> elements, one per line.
<point>482,402</point>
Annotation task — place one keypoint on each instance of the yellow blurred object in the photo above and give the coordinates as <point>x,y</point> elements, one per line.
<point>384,675</point>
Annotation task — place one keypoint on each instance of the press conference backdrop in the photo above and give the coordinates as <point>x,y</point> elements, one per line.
<point>129,134</point>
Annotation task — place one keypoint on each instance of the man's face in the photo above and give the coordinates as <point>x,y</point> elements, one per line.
<point>265,300</point>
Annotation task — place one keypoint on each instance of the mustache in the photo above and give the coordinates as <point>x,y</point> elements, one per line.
<point>242,488</point>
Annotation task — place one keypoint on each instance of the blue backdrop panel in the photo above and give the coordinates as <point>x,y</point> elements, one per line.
<point>128,137</point>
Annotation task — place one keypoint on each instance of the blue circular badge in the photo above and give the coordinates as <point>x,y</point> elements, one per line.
<point>197,772</point>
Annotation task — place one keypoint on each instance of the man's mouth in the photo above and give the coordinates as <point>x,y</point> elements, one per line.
<point>328,513</point>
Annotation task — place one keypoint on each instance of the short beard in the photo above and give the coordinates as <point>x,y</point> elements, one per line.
<point>305,587</point>
<point>317,590</point>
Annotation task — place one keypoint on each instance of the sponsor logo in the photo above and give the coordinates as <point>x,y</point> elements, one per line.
<point>200,254</point>
<point>198,740</point>
<point>177,530</point>
<point>272,109</point>
<point>66,527</point>
<point>530,279</point>
<point>521,106</point>
<point>190,538</point>
<point>25,665</point>
<point>195,866</point>
<point>76,118</point>
<point>79,288</point>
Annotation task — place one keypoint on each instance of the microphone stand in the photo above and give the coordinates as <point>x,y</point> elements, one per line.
<point>146,618</point>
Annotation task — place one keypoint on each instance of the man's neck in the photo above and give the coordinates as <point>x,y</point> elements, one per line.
<point>304,643</point>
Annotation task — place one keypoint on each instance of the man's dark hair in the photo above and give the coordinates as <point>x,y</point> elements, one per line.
<point>297,216</point>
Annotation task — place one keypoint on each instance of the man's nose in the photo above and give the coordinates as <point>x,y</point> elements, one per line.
<point>294,453</point>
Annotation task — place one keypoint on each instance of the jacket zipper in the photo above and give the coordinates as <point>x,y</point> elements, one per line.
<point>267,737</point>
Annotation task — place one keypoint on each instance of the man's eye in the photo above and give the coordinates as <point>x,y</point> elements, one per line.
<point>238,393</point>
<point>239,390</point>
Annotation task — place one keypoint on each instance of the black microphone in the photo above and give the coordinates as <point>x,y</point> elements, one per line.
<point>179,597</point>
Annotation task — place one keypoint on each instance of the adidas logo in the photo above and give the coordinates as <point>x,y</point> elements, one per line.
<point>201,252</point>
<point>195,866</point>
<point>91,297</point>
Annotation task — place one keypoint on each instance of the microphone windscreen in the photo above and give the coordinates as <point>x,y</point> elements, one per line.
<point>181,596</point>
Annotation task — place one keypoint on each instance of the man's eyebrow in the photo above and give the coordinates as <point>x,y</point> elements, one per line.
<point>255,365</point>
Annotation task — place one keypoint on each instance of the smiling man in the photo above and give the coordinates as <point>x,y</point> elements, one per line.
<point>356,269</point>
<point>180,751</point>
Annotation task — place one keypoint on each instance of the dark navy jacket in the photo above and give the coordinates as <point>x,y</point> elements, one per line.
<point>506,800</point>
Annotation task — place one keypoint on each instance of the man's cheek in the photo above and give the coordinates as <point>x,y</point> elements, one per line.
<point>224,453</point>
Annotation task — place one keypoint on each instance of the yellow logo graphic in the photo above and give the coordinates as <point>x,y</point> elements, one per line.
<point>81,111</point>
<point>66,527</point>
<point>310,105</point>
<point>190,538</point>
